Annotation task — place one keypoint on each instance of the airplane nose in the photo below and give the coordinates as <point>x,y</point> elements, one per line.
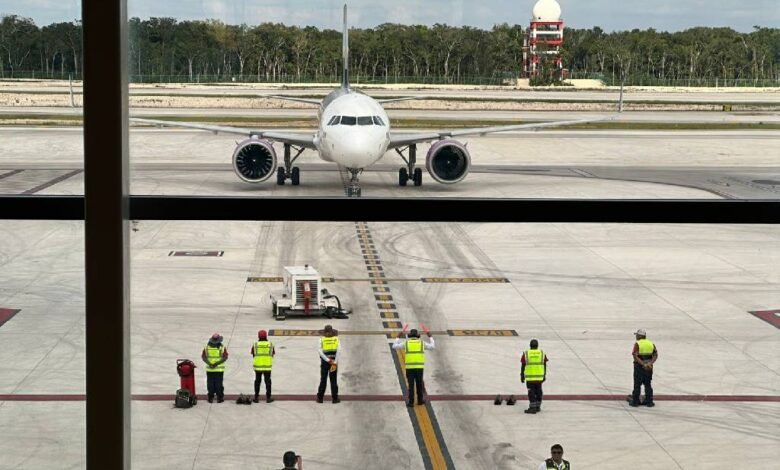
<point>357,150</point>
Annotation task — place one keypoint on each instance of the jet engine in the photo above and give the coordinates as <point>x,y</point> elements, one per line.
<point>254,160</point>
<point>448,161</point>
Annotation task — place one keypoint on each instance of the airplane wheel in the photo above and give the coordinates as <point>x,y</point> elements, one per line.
<point>280,176</point>
<point>295,176</point>
<point>403,177</point>
<point>418,176</point>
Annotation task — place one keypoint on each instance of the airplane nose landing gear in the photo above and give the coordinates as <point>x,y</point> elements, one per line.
<point>353,187</point>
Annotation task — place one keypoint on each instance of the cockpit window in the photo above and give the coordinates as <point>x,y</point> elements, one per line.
<point>348,120</point>
<point>334,120</point>
<point>365,121</point>
<point>378,121</point>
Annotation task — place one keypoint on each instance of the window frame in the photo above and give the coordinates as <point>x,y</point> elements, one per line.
<point>107,207</point>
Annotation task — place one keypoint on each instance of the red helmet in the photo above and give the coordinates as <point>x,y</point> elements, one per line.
<point>262,334</point>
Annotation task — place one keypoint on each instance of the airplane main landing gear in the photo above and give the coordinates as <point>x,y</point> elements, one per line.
<point>403,176</point>
<point>353,187</point>
<point>409,172</point>
<point>289,171</point>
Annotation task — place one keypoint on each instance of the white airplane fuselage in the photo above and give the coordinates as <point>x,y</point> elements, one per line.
<point>353,130</point>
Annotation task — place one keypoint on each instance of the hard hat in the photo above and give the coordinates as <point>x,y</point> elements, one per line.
<point>640,332</point>
<point>262,334</point>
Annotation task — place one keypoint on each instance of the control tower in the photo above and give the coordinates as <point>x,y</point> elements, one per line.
<point>543,40</point>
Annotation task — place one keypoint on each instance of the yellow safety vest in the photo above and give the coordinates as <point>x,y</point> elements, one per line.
<point>534,365</point>
<point>329,345</point>
<point>213,355</point>
<point>646,348</point>
<point>551,464</point>
<point>263,358</point>
<point>415,354</point>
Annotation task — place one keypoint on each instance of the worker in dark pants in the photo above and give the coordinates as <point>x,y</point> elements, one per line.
<point>329,358</point>
<point>214,355</point>
<point>533,372</point>
<point>645,354</point>
<point>263,353</point>
<point>414,358</point>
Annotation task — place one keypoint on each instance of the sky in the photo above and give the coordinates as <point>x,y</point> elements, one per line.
<point>611,15</point>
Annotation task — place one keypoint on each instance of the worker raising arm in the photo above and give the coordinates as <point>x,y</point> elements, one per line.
<point>414,359</point>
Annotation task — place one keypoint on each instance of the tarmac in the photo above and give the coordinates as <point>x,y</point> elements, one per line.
<point>708,296</point>
<point>484,289</point>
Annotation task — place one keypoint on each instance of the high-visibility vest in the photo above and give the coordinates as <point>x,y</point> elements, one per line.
<point>551,464</point>
<point>534,365</point>
<point>645,348</point>
<point>415,354</point>
<point>214,354</point>
<point>263,358</point>
<point>329,345</point>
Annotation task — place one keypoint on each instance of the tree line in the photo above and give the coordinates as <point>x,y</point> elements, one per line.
<point>164,49</point>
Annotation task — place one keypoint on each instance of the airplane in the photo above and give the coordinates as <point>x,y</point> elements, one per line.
<point>354,132</point>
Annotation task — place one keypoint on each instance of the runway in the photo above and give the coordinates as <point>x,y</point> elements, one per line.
<point>699,95</point>
<point>443,114</point>
<point>550,164</point>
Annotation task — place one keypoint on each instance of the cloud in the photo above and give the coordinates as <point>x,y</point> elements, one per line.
<point>611,15</point>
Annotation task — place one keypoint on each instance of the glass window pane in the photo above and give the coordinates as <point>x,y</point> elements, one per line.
<point>43,360</point>
<point>348,120</point>
<point>687,132</point>
<point>365,121</point>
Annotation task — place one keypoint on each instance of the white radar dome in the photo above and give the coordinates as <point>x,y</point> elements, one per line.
<point>547,10</point>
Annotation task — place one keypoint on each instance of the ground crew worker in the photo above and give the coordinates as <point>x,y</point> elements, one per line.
<point>214,355</point>
<point>645,354</point>
<point>263,352</point>
<point>533,372</point>
<point>555,462</point>
<point>414,348</point>
<point>329,358</point>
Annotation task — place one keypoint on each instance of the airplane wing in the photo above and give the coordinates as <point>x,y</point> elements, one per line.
<point>296,99</point>
<point>401,140</point>
<point>405,98</point>
<point>295,138</point>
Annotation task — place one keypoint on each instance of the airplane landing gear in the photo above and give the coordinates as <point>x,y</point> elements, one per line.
<point>353,187</point>
<point>410,172</point>
<point>289,171</point>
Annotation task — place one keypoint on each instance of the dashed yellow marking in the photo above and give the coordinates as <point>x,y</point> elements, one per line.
<point>388,314</point>
<point>294,332</point>
<point>476,280</point>
<point>482,332</point>
<point>381,289</point>
<point>383,297</point>
<point>391,324</point>
<point>264,279</point>
<point>385,306</point>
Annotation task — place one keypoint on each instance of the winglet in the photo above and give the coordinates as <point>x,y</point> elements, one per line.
<point>345,52</point>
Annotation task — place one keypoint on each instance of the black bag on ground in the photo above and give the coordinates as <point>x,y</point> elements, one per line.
<point>183,399</point>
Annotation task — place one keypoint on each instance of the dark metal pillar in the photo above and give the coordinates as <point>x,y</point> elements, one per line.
<point>106,233</point>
